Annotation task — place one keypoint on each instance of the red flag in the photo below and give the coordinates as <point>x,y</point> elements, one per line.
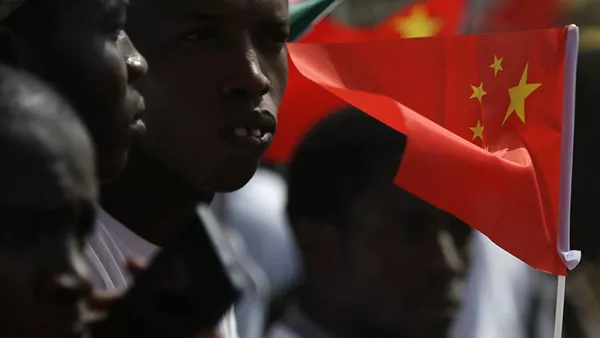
<point>502,92</point>
<point>423,19</point>
<point>513,15</point>
<point>441,17</point>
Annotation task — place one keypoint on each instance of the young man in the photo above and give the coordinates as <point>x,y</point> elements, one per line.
<point>378,261</point>
<point>218,77</point>
<point>47,198</point>
<point>79,47</point>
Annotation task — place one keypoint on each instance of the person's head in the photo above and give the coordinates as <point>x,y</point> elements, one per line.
<point>80,48</point>
<point>388,261</point>
<point>219,71</point>
<point>47,198</point>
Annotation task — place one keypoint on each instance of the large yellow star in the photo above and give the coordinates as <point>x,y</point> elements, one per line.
<point>478,92</point>
<point>477,131</point>
<point>518,95</point>
<point>497,65</point>
<point>418,24</point>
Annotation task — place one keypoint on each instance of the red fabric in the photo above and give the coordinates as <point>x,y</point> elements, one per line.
<point>448,12</point>
<point>304,105</point>
<point>510,193</point>
<point>512,15</point>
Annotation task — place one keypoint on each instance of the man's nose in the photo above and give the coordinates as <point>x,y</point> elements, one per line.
<point>246,77</point>
<point>137,66</point>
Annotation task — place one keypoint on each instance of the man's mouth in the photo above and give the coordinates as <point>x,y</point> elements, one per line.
<point>254,135</point>
<point>252,132</point>
<point>137,127</point>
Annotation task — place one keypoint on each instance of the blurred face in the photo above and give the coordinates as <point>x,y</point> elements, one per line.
<point>219,71</point>
<point>42,277</point>
<point>401,265</point>
<point>87,56</point>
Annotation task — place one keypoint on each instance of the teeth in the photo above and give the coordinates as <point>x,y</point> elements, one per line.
<point>241,132</point>
<point>256,132</point>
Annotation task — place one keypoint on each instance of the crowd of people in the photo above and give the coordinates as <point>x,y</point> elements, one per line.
<point>122,123</point>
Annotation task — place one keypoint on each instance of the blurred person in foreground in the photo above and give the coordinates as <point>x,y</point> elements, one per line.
<point>79,47</point>
<point>219,71</point>
<point>48,195</point>
<point>378,261</point>
<point>255,218</point>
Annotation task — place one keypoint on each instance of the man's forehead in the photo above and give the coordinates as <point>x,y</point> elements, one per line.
<point>277,8</point>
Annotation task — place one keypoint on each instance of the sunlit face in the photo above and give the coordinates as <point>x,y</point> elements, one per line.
<point>217,78</point>
<point>83,51</point>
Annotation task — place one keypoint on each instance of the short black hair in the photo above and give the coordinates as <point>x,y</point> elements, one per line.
<point>337,160</point>
<point>39,132</point>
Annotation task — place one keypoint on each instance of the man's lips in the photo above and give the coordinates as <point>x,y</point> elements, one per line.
<point>252,132</point>
<point>137,126</point>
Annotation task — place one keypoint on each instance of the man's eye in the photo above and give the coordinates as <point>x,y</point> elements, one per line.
<point>198,35</point>
<point>275,41</point>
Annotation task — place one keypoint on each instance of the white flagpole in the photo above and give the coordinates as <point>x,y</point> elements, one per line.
<point>571,258</point>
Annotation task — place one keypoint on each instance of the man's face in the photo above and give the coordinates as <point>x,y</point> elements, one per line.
<point>85,54</point>
<point>402,264</point>
<point>42,272</point>
<point>219,70</point>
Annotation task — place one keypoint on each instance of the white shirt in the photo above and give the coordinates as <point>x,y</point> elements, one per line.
<point>255,214</point>
<point>498,298</point>
<point>109,247</point>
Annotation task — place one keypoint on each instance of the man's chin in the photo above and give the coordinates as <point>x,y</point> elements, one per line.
<point>229,179</point>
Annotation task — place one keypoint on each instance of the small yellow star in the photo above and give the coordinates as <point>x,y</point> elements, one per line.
<point>418,24</point>
<point>518,95</point>
<point>477,131</point>
<point>478,92</point>
<point>497,65</point>
<point>487,148</point>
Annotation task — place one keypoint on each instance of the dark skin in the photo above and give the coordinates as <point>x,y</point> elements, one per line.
<point>47,200</point>
<point>80,48</point>
<point>393,271</point>
<point>218,78</point>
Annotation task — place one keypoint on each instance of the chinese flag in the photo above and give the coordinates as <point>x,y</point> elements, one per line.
<point>512,15</point>
<point>296,114</point>
<point>423,19</point>
<point>485,144</point>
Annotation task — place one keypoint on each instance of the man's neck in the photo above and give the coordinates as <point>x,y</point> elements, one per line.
<point>149,199</point>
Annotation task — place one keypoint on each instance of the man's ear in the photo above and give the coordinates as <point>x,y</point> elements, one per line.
<point>8,47</point>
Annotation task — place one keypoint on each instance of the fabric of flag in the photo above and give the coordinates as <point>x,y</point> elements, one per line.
<point>422,19</point>
<point>513,15</point>
<point>438,16</point>
<point>485,144</point>
<point>304,14</point>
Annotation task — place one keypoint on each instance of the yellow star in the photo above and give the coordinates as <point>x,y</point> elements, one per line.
<point>487,148</point>
<point>518,95</point>
<point>478,92</point>
<point>497,65</point>
<point>477,131</point>
<point>418,25</point>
